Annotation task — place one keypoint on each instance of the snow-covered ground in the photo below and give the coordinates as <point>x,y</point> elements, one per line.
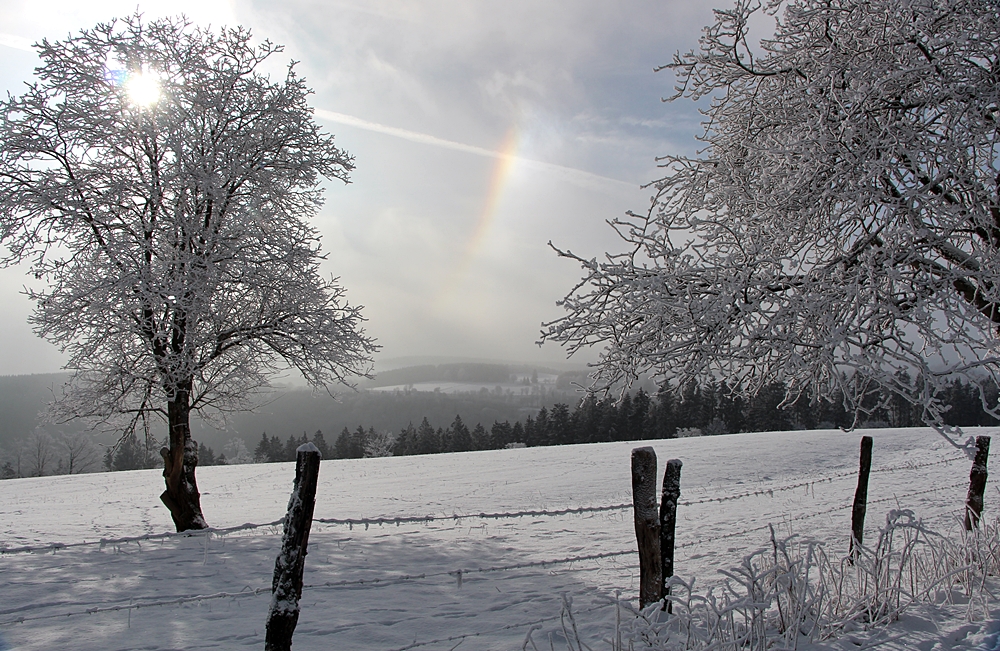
<point>476,582</point>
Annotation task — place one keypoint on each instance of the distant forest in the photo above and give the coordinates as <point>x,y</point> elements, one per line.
<point>524,411</point>
<point>694,410</point>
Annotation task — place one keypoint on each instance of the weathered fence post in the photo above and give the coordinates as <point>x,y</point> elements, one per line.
<point>286,588</point>
<point>647,527</point>
<point>861,498</point>
<point>977,484</point>
<point>668,522</point>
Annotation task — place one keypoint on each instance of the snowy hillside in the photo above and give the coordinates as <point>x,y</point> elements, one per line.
<point>475,581</point>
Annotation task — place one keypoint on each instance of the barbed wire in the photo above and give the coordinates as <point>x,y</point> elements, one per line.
<point>175,601</point>
<point>428,519</point>
<point>106,542</point>
<point>459,574</point>
<point>916,466</point>
<point>816,514</point>
<point>147,602</point>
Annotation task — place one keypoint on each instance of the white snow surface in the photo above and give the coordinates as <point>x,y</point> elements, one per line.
<point>427,584</point>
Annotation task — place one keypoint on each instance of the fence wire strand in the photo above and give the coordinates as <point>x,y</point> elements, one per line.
<point>428,519</point>
<point>148,602</point>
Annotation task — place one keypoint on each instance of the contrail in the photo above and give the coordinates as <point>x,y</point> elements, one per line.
<point>16,42</point>
<point>577,176</point>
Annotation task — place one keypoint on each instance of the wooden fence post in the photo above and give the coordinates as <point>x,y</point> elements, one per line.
<point>647,527</point>
<point>861,498</point>
<point>286,588</point>
<point>977,484</point>
<point>668,522</point>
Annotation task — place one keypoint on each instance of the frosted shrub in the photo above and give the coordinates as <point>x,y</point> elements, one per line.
<point>236,452</point>
<point>793,593</point>
<point>379,444</point>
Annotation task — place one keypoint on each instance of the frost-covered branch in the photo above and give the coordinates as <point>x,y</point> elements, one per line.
<point>842,221</point>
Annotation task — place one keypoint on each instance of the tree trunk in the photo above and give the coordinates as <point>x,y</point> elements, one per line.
<point>179,460</point>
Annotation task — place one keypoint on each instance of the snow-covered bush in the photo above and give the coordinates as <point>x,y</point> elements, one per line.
<point>237,452</point>
<point>379,444</point>
<point>793,592</point>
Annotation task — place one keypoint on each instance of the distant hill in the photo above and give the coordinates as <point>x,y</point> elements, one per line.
<point>465,372</point>
<point>292,411</point>
<point>22,398</point>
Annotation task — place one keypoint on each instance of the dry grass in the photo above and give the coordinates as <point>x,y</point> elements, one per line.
<point>794,593</point>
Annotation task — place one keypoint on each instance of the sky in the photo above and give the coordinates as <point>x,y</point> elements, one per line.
<point>482,130</point>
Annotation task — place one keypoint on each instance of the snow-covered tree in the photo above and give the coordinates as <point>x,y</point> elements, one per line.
<point>237,452</point>
<point>379,443</point>
<point>161,183</point>
<point>839,228</point>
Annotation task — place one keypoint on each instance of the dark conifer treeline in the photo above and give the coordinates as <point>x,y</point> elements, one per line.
<point>692,409</point>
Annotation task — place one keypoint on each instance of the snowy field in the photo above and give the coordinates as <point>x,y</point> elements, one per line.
<point>471,582</point>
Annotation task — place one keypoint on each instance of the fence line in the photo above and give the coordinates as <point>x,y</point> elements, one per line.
<point>816,514</point>
<point>424,519</point>
<point>252,592</point>
<point>104,542</point>
<point>427,519</point>
<point>315,586</point>
<point>915,466</point>
<point>459,573</point>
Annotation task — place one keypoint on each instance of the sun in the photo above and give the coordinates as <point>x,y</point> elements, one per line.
<point>143,88</point>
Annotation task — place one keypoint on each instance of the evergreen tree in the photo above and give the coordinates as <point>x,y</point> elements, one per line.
<point>288,452</point>
<point>543,428</point>
<point>406,441</point>
<point>357,443</point>
<point>131,455</point>
<point>502,434</point>
<point>517,433</point>
<point>586,419</point>
<point>530,435</point>
<point>342,446</point>
<point>730,409</point>
<point>480,438</point>
<point>664,419</point>
<point>262,453</point>
<point>320,442</point>
<point>608,428</point>
<point>763,414</point>
<point>561,426</point>
<point>637,419</point>
<point>206,455</point>
<point>428,441</point>
<point>460,439</point>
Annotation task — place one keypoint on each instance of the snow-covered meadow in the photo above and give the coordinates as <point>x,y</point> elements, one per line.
<point>473,582</point>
